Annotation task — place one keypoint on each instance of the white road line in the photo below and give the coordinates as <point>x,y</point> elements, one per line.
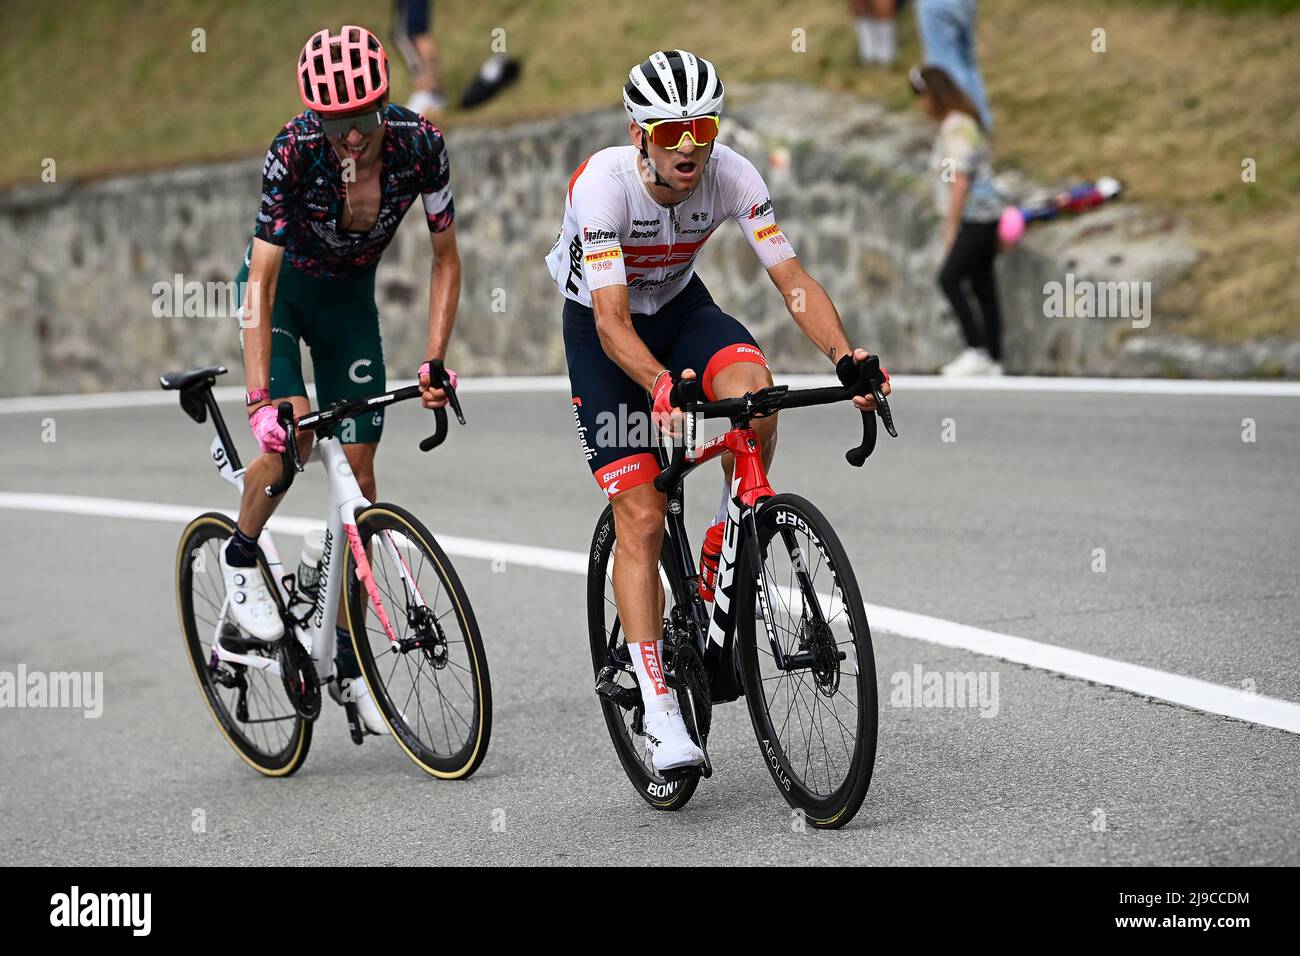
<point>1146,681</point>
<point>491,385</point>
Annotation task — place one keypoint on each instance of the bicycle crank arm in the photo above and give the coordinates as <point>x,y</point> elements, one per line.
<point>267,664</point>
<point>354,723</point>
<point>705,768</point>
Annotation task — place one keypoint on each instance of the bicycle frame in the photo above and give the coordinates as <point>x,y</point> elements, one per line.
<point>317,634</point>
<point>749,489</point>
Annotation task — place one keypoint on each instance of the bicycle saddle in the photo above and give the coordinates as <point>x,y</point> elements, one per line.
<point>176,380</point>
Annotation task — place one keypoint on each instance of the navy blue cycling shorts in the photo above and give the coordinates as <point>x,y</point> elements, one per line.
<point>612,412</point>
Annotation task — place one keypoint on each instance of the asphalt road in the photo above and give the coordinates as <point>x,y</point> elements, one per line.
<point>999,528</point>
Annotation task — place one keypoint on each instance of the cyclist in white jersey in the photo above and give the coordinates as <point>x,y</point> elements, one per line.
<point>636,316</point>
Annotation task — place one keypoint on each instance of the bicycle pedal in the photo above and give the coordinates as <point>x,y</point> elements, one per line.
<point>608,687</point>
<point>355,729</point>
<point>686,773</point>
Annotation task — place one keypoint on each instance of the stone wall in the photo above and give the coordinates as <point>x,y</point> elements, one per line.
<point>79,263</point>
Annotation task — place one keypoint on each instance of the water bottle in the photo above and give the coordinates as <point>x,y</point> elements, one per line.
<point>313,546</point>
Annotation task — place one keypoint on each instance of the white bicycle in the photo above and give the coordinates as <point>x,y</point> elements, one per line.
<point>412,627</point>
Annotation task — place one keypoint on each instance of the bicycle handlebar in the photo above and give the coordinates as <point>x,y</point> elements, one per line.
<point>289,463</point>
<point>323,421</point>
<point>863,378</point>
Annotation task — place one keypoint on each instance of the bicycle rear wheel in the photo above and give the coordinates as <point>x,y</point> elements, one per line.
<point>249,704</point>
<point>623,715</point>
<point>816,720</point>
<point>434,692</point>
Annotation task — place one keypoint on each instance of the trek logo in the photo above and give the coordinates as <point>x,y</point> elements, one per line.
<point>75,909</point>
<point>762,209</point>
<point>575,265</point>
<point>650,658</point>
<point>725,586</point>
<point>598,235</point>
<point>661,255</point>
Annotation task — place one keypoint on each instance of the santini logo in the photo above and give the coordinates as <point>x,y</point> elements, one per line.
<point>103,909</point>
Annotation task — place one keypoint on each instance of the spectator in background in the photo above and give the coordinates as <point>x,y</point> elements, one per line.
<point>947,29</point>
<point>969,209</point>
<point>877,29</point>
<point>411,28</point>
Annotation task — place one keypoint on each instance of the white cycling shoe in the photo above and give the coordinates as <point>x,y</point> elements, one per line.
<point>250,604</point>
<point>355,689</point>
<point>669,745</point>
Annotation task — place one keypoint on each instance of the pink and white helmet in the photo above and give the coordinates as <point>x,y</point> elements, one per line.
<point>342,72</point>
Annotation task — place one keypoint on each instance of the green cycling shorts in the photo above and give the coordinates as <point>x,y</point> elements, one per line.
<point>339,321</point>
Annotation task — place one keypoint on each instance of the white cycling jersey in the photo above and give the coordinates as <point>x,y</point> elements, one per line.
<point>614,233</point>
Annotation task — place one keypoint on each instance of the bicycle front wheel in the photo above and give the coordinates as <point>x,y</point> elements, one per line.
<point>248,702</point>
<point>423,659</point>
<point>815,717</point>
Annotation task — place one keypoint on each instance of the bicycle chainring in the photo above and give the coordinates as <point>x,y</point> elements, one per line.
<point>298,674</point>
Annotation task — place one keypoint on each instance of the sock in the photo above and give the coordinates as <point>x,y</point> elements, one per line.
<point>345,662</point>
<point>721,516</point>
<point>647,661</point>
<point>866,39</point>
<point>241,552</point>
<point>886,40</point>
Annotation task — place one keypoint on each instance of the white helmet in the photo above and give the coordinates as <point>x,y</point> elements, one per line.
<point>672,84</point>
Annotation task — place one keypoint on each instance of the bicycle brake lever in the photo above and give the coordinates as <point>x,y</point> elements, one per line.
<point>289,463</point>
<point>870,379</point>
<point>454,400</point>
<point>886,416</point>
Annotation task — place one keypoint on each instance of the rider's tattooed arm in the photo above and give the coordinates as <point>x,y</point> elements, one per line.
<point>815,314</point>
<point>811,308</point>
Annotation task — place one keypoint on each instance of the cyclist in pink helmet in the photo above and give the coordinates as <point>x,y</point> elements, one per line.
<point>336,183</point>
<point>342,73</point>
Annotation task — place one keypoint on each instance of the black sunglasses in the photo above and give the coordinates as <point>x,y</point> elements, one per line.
<point>364,123</point>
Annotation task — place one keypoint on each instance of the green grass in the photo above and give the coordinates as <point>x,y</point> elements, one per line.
<point>1186,89</point>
